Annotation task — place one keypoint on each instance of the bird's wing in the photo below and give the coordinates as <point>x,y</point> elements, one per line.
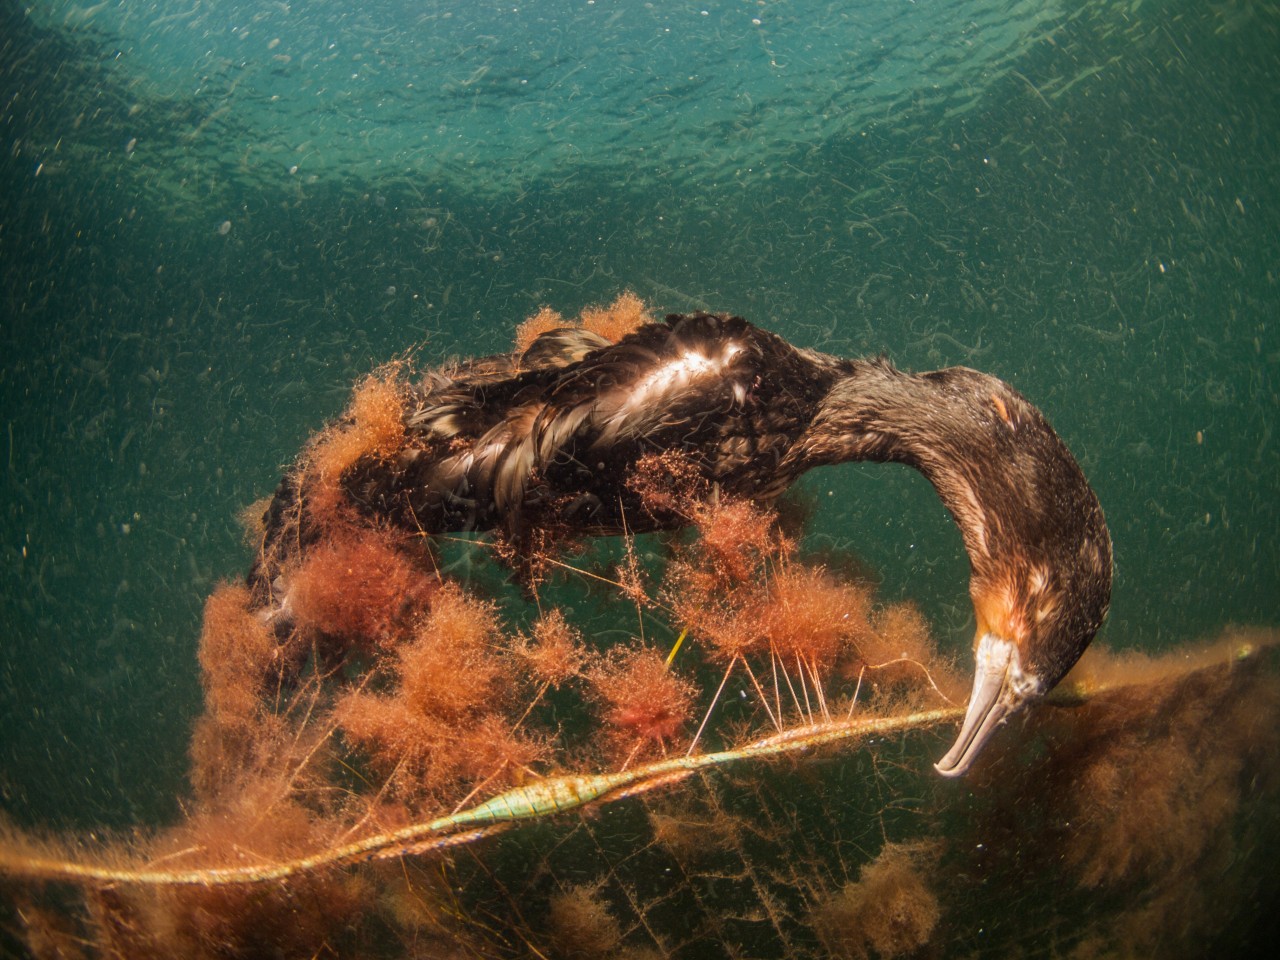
<point>662,377</point>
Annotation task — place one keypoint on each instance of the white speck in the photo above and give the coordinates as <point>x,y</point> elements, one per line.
<point>224,227</point>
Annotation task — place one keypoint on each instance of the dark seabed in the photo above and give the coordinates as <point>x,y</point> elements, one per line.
<point>216,216</point>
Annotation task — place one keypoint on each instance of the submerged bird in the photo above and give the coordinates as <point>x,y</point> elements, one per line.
<point>551,437</point>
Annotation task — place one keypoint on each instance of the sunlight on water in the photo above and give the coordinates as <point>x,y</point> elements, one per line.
<point>492,96</point>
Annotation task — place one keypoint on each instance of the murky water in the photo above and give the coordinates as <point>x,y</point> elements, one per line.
<point>215,216</point>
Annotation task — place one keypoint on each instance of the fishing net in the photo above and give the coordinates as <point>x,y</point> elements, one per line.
<point>704,744</point>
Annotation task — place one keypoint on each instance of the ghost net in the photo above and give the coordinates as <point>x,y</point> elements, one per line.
<point>706,745</point>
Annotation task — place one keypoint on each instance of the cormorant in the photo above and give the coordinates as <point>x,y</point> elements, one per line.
<point>551,438</point>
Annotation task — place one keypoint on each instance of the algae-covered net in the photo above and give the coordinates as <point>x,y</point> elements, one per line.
<point>710,744</point>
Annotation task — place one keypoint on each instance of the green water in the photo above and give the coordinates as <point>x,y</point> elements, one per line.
<point>214,218</point>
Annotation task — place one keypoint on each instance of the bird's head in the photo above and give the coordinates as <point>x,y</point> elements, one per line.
<point>1038,546</point>
<point>1035,616</point>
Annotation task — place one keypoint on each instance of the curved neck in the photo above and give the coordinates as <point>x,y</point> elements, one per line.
<point>1037,542</point>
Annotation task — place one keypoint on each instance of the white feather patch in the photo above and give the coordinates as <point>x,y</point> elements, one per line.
<point>636,407</point>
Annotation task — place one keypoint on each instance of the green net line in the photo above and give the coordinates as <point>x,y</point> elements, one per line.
<point>533,802</point>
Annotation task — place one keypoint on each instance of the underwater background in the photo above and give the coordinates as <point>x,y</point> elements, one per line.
<point>215,216</point>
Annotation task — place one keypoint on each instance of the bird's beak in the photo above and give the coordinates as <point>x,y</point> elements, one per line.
<point>1000,687</point>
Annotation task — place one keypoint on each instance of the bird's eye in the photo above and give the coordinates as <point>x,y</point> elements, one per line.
<point>1001,409</point>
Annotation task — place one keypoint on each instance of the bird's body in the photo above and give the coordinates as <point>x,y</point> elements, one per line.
<point>556,442</point>
<point>552,438</point>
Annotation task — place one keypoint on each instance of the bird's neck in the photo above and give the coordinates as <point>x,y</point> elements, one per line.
<point>1033,529</point>
<point>995,462</point>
